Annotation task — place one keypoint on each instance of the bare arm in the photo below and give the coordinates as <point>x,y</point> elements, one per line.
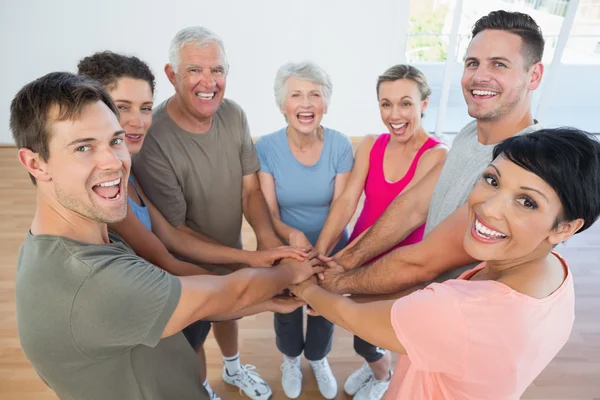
<point>204,296</point>
<point>344,206</point>
<point>370,321</point>
<point>257,213</point>
<point>442,250</point>
<point>285,232</point>
<point>405,213</point>
<point>149,247</point>
<point>282,305</point>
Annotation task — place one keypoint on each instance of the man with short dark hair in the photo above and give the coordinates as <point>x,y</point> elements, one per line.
<point>502,69</point>
<point>95,320</point>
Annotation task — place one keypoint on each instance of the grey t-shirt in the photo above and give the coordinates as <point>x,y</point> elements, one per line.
<point>196,179</point>
<point>466,161</point>
<point>90,320</point>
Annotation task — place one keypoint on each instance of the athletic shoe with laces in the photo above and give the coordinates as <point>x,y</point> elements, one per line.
<point>249,382</point>
<point>325,379</point>
<point>374,390</point>
<point>358,379</point>
<point>291,377</point>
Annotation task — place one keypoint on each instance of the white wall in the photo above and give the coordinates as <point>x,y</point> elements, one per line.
<point>352,39</point>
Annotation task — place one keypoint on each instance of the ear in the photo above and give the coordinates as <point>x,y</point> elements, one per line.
<point>565,230</point>
<point>34,165</point>
<point>535,80</point>
<point>170,75</point>
<point>424,105</point>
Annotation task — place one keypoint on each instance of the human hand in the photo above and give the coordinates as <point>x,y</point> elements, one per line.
<point>285,305</point>
<point>305,269</point>
<point>299,289</point>
<point>266,258</point>
<point>328,279</point>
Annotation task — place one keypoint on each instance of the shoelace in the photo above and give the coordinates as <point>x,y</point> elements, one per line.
<point>247,374</point>
<point>321,374</point>
<point>366,374</point>
<point>376,388</point>
<point>290,368</point>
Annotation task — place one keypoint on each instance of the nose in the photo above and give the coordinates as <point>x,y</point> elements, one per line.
<point>206,78</point>
<point>136,120</point>
<point>111,158</point>
<point>481,74</point>
<point>494,206</point>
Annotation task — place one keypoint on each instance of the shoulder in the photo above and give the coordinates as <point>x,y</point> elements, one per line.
<point>270,140</point>
<point>468,131</point>
<point>230,108</point>
<point>367,142</point>
<point>337,137</point>
<point>435,154</point>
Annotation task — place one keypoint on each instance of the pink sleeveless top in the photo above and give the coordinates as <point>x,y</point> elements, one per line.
<point>379,193</point>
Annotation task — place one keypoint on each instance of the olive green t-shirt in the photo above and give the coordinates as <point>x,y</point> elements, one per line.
<point>196,179</point>
<point>90,319</point>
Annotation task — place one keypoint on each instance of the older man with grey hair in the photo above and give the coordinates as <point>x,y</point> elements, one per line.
<point>199,167</point>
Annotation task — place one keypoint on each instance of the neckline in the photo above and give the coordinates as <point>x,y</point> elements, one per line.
<point>289,149</point>
<point>523,296</point>
<point>410,167</point>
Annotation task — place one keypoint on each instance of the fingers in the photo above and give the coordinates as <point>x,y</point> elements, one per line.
<point>318,269</point>
<point>312,312</point>
<point>321,276</point>
<point>313,254</point>
<point>325,259</point>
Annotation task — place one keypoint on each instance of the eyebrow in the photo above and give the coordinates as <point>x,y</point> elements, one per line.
<point>89,139</point>
<point>537,191</point>
<point>497,171</point>
<point>131,102</point>
<point>198,66</point>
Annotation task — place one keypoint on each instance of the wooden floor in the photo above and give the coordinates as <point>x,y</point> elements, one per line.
<point>573,375</point>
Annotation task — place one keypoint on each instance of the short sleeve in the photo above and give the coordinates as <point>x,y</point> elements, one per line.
<point>123,303</point>
<point>345,159</point>
<point>430,325</point>
<point>250,163</point>
<point>155,174</point>
<point>262,149</point>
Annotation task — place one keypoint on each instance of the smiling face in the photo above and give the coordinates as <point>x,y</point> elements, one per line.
<point>303,105</point>
<point>400,106</point>
<point>89,165</point>
<point>495,80</point>
<point>200,79</point>
<point>133,98</point>
<point>512,214</point>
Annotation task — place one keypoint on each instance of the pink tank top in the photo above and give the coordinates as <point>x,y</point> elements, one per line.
<point>379,193</point>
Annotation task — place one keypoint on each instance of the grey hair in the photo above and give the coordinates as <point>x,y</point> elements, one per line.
<point>198,35</point>
<point>305,70</point>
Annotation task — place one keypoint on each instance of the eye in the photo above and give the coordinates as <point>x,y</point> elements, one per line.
<point>84,148</point>
<point>406,104</point>
<point>194,69</point>
<point>122,108</point>
<point>385,105</point>
<point>499,64</point>
<point>295,95</point>
<point>316,95</point>
<point>116,141</point>
<point>527,202</point>
<point>491,180</point>
<point>217,71</point>
<point>471,64</point>
<point>148,109</point>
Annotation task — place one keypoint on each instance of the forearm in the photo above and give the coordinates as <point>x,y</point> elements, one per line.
<point>182,268</point>
<point>196,248</point>
<point>257,214</point>
<point>392,273</point>
<point>401,217</point>
<point>333,307</point>
<point>339,217</point>
<point>264,306</point>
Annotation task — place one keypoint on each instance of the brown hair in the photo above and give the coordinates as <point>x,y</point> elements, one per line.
<point>405,71</point>
<point>32,109</point>
<point>519,24</point>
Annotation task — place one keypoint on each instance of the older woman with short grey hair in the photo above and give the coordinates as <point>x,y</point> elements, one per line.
<point>303,168</point>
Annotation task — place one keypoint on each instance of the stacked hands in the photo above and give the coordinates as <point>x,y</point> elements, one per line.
<point>310,270</point>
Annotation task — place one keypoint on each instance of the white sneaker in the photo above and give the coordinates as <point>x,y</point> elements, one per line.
<point>249,382</point>
<point>374,390</point>
<point>358,379</point>
<point>291,377</point>
<point>325,379</point>
<point>213,396</point>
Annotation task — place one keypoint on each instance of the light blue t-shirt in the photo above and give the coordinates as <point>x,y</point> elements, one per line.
<point>140,211</point>
<point>305,193</point>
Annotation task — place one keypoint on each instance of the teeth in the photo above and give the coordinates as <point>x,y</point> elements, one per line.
<point>484,93</point>
<point>111,183</point>
<point>486,231</point>
<point>397,126</point>
<point>205,96</point>
<point>305,114</point>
